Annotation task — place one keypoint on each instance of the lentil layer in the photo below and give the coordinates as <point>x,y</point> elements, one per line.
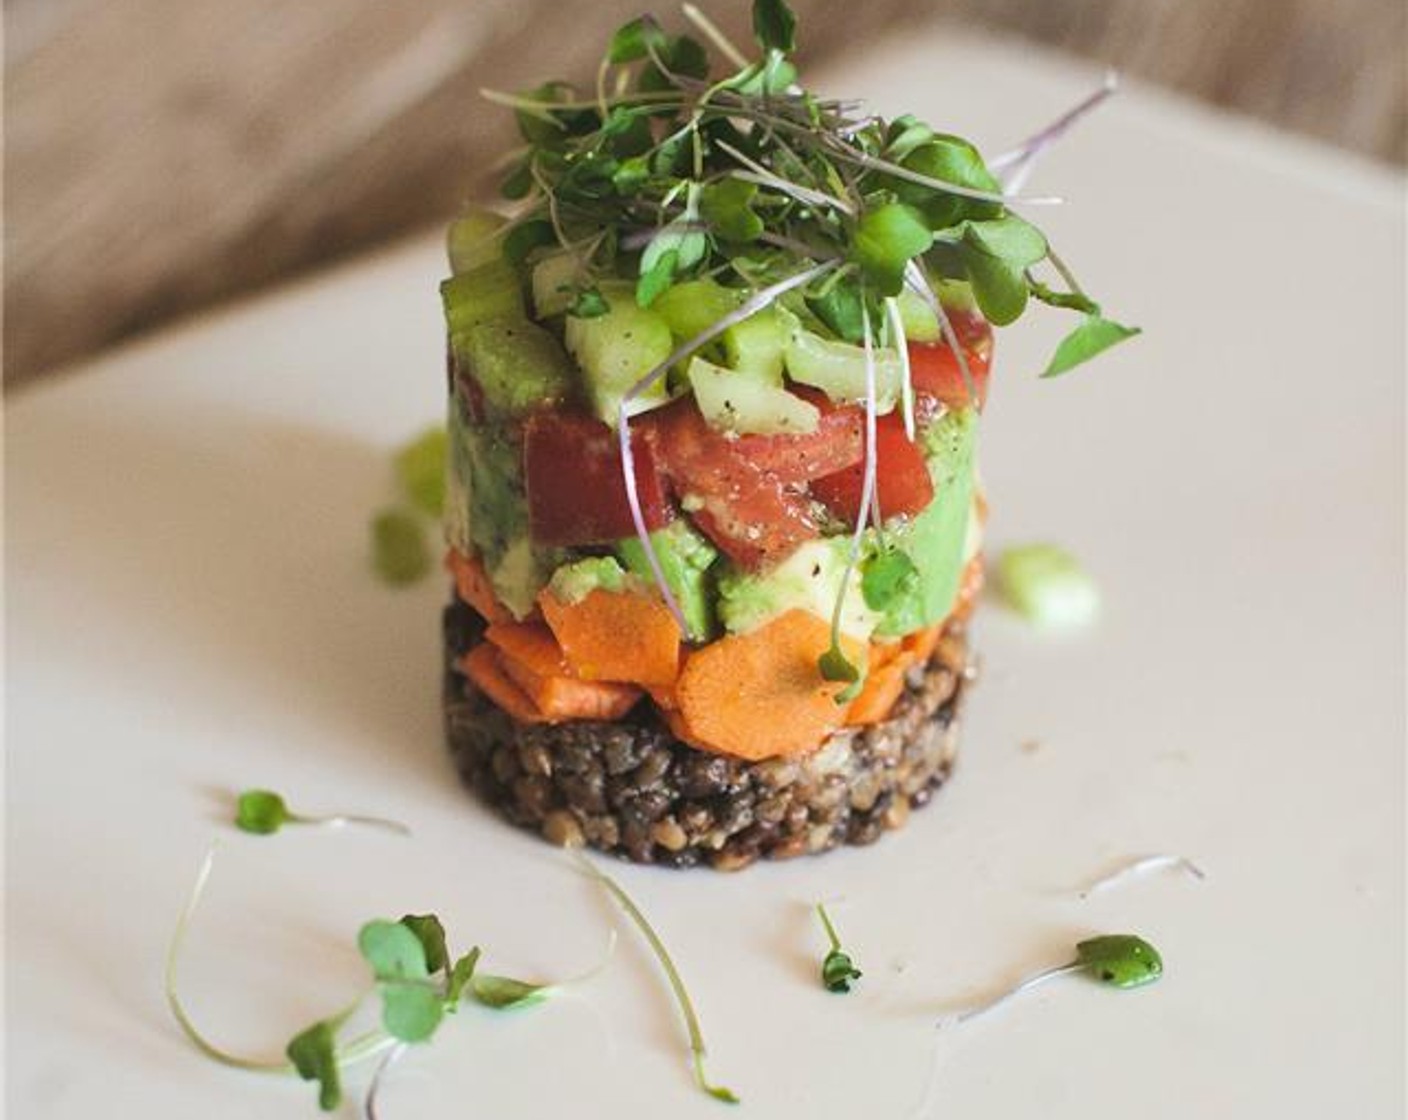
<point>631,789</point>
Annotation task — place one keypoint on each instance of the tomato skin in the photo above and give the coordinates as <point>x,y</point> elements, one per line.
<point>576,494</point>
<point>934,370</point>
<point>755,517</point>
<point>902,482</point>
<point>838,442</point>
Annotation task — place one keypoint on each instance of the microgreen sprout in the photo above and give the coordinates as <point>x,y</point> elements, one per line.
<point>1138,868</point>
<point>672,974</point>
<point>263,812</point>
<point>837,968</point>
<point>1117,960</point>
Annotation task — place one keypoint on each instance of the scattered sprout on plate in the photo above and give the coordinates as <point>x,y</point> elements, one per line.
<point>1118,960</point>
<point>420,470</point>
<point>413,975</point>
<point>837,968</point>
<point>1047,586</point>
<point>263,812</point>
<point>672,974</point>
<point>1138,868</point>
<point>400,553</point>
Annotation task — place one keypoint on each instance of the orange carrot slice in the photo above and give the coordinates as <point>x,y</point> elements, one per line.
<point>531,643</point>
<point>474,586</point>
<point>882,688</point>
<point>921,644</point>
<point>481,665</point>
<point>760,695</point>
<point>616,636</point>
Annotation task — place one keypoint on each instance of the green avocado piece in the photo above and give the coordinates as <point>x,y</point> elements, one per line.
<point>518,364</point>
<point>685,559</point>
<point>935,540</point>
<point>486,511</point>
<point>808,580</point>
<point>575,581</point>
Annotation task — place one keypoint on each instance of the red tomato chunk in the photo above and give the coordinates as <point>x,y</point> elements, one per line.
<point>902,482</point>
<point>934,368</point>
<point>576,493</point>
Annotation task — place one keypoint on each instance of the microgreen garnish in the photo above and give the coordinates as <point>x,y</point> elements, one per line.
<point>313,1053</point>
<point>263,812</point>
<point>1118,960</point>
<point>503,993</point>
<point>1138,868</point>
<point>887,577</point>
<point>1094,336</point>
<point>686,1006</point>
<point>837,968</point>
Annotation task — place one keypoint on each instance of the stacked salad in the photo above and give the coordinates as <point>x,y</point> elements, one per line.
<point>716,374</point>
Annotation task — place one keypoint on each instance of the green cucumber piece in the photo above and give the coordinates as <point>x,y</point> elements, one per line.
<point>918,319</point>
<point>486,292</point>
<point>685,559</point>
<point>758,344</point>
<point>616,350</point>
<point>473,240</point>
<point>743,403</point>
<point>518,365</point>
<point>838,369</point>
<point>555,282</point>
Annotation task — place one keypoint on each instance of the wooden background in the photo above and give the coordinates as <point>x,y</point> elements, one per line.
<point>164,154</point>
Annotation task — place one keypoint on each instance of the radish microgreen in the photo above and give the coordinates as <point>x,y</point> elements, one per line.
<point>411,975</point>
<point>672,975</point>
<point>1117,960</point>
<point>837,968</point>
<point>264,812</point>
<point>746,177</point>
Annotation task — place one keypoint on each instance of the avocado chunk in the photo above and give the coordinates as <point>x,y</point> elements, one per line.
<point>616,350</point>
<point>936,539</point>
<point>685,559</point>
<point>518,365</point>
<point>575,581</point>
<point>555,282</point>
<point>486,511</point>
<point>809,579</point>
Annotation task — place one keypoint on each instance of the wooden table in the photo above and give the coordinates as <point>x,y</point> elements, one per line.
<point>165,154</point>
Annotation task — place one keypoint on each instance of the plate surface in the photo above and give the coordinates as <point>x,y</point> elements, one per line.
<point>190,612</point>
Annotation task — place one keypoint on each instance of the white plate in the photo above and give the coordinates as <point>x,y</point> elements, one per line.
<point>190,612</point>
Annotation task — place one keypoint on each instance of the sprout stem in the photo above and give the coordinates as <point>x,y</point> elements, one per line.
<point>374,1088</point>
<point>830,929</point>
<point>686,1006</point>
<point>919,284</point>
<point>711,31</point>
<point>173,1001</point>
<point>901,344</point>
<point>1138,868</point>
<point>342,820</point>
<point>1025,986</point>
<point>1023,158</point>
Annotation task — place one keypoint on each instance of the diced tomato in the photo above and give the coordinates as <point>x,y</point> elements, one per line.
<point>902,482</point>
<point>576,493</point>
<point>752,514</point>
<point>839,441</point>
<point>934,368</point>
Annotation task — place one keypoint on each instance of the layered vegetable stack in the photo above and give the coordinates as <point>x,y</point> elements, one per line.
<point>715,383</point>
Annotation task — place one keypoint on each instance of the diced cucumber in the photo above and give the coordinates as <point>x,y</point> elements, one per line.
<point>733,401</point>
<point>838,369</point>
<point>617,349</point>
<point>694,306</point>
<point>555,280</point>
<point>518,365</point>
<point>1047,586</point>
<point>685,558</point>
<point>758,344</point>
<point>472,240</point>
<point>486,292</point>
<point>920,322</point>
